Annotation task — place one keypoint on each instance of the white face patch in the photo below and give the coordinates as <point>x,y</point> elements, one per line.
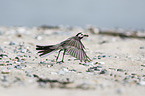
<point>80,35</point>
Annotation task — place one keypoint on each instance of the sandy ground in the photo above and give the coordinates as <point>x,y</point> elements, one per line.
<point>117,67</point>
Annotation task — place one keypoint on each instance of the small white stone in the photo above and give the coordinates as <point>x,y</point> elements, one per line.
<point>48,66</point>
<point>65,70</point>
<point>24,50</point>
<point>38,37</point>
<point>142,83</point>
<point>53,73</point>
<point>102,63</point>
<point>21,30</point>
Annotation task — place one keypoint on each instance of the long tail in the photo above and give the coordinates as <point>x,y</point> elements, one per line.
<point>43,50</point>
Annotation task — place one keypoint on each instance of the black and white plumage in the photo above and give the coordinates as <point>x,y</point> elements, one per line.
<point>73,46</point>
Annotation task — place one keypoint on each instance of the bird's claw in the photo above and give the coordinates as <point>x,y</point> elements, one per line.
<point>60,62</point>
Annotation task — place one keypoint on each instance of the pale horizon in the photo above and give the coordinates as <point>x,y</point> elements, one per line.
<point>101,13</point>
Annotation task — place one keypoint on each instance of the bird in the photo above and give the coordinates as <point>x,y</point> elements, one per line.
<point>73,46</point>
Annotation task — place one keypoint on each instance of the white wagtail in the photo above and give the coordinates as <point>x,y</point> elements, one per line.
<point>73,46</point>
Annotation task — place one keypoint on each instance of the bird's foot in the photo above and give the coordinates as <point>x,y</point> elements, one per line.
<point>60,62</point>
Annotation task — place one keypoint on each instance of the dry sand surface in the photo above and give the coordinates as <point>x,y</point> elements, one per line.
<point>117,67</point>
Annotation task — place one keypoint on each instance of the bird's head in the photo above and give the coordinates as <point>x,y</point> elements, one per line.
<point>81,35</point>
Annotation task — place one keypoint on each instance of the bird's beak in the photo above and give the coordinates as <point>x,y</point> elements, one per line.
<point>86,35</point>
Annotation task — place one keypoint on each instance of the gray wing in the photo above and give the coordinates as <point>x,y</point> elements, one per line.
<point>78,53</point>
<point>76,43</point>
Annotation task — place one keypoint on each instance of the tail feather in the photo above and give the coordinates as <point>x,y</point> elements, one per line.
<point>43,47</point>
<point>43,50</point>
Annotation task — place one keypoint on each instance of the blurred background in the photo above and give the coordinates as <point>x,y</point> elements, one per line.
<point>101,13</point>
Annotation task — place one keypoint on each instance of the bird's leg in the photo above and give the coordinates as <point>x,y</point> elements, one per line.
<point>63,55</point>
<point>58,54</point>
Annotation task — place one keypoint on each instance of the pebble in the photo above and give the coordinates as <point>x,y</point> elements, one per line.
<point>17,58</point>
<point>3,55</point>
<point>143,75</point>
<point>23,50</point>
<point>94,58</point>
<point>3,64</point>
<point>15,51</point>
<point>18,67</point>
<point>29,75</point>
<point>141,47</point>
<point>87,64</point>
<point>23,59</point>
<point>103,71</point>
<point>4,78</point>
<point>101,56</point>
<point>5,72</point>
<point>111,74</point>
<point>42,62</point>
<point>54,73</point>
<point>126,73</point>
<point>133,74</point>
<point>57,62</point>
<point>142,83</point>
<point>96,69</point>
<point>9,67</point>
<point>65,70</point>
<point>12,43</point>
<point>89,70</point>
<point>38,37</point>
<point>7,61</point>
<point>121,70</point>
<point>99,66</point>
<point>19,35</point>
<point>73,70</point>
<point>48,66</point>
<point>127,77</point>
<point>21,30</point>
<point>143,65</point>
<point>112,69</point>
<point>142,69</point>
<point>27,72</point>
<point>96,62</point>
<point>101,63</point>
